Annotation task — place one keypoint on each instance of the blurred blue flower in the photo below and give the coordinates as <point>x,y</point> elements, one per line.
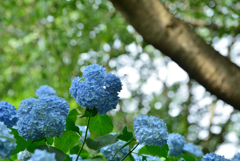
<point>8,114</point>
<point>42,155</point>
<point>213,157</point>
<point>110,150</point>
<point>97,90</point>
<point>74,157</point>
<point>24,155</point>
<point>150,130</point>
<point>83,129</point>
<point>7,142</point>
<point>193,149</point>
<point>44,117</point>
<point>236,157</point>
<point>175,143</point>
<point>44,91</point>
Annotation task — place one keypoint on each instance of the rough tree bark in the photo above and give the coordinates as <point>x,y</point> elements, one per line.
<point>175,39</point>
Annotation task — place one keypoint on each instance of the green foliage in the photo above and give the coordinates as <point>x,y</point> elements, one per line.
<point>101,124</point>
<point>101,141</point>
<point>59,155</point>
<point>125,135</point>
<point>66,141</point>
<point>155,150</point>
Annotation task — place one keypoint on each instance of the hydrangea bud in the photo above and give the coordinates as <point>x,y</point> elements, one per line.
<point>74,157</point>
<point>44,91</point>
<point>8,114</point>
<point>42,155</point>
<point>24,155</point>
<point>150,130</point>
<point>236,157</point>
<point>98,90</point>
<point>110,150</point>
<point>193,149</point>
<point>175,143</point>
<point>44,117</point>
<point>7,142</point>
<point>213,157</point>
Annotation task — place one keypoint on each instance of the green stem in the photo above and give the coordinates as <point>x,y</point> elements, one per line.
<point>129,152</point>
<point>84,139</point>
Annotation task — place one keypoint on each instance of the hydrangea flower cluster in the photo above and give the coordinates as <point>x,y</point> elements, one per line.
<point>74,157</point>
<point>24,155</point>
<point>8,114</point>
<point>83,129</point>
<point>150,130</point>
<point>149,158</point>
<point>236,157</point>
<point>42,155</point>
<point>193,149</point>
<point>44,117</point>
<point>175,143</point>
<point>44,91</point>
<point>110,150</point>
<point>213,157</point>
<point>7,142</point>
<point>98,90</point>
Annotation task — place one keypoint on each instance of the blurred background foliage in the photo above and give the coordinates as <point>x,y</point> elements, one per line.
<point>50,42</point>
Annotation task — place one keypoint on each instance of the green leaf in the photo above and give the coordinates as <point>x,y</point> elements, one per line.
<point>35,144</point>
<point>49,141</point>
<point>68,158</point>
<point>159,151</point>
<point>101,124</point>
<point>70,125</point>
<point>125,135</point>
<point>90,112</point>
<point>67,140</point>
<point>126,144</point>
<point>155,150</point>
<point>59,155</point>
<point>144,158</point>
<point>101,141</point>
<point>84,153</point>
<point>187,157</point>
<point>20,141</point>
<point>73,115</point>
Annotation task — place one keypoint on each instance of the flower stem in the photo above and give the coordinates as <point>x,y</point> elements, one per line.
<point>129,152</point>
<point>84,139</point>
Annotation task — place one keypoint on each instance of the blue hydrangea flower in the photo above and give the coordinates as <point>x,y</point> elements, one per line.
<point>44,117</point>
<point>110,150</point>
<point>24,155</point>
<point>94,74</point>
<point>98,90</point>
<point>83,129</point>
<point>150,130</point>
<point>236,157</point>
<point>149,158</point>
<point>8,114</point>
<point>112,83</point>
<point>74,157</point>
<point>193,149</point>
<point>7,142</point>
<point>213,157</point>
<point>175,143</point>
<point>42,155</point>
<point>44,91</point>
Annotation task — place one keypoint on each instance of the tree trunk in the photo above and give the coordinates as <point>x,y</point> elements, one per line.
<point>175,39</point>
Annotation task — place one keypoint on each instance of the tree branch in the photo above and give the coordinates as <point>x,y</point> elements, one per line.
<point>174,38</point>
